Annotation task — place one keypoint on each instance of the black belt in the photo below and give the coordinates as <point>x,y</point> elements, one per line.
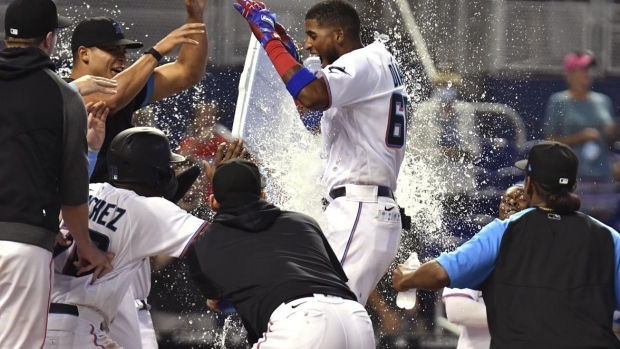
<point>381,191</point>
<point>62,308</point>
<point>145,305</point>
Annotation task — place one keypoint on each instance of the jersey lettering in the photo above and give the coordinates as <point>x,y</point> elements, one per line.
<point>119,213</point>
<point>104,213</point>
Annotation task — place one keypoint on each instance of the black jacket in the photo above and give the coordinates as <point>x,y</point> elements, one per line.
<point>258,257</point>
<point>43,152</point>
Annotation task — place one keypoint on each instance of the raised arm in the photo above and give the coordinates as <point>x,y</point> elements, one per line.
<point>190,66</point>
<point>309,90</point>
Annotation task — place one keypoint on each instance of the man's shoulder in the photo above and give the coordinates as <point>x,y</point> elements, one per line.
<point>559,97</point>
<point>296,216</point>
<point>599,97</point>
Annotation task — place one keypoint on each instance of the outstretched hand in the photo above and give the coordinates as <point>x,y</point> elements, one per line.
<point>235,150</point>
<point>178,37</point>
<point>261,20</point>
<point>97,116</point>
<point>89,84</point>
<point>90,258</point>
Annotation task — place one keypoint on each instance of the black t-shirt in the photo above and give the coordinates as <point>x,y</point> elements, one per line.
<point>553,283</point>
<point>258,257</point>
<point>115,124</point>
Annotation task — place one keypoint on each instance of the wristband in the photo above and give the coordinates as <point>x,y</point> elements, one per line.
<point>298,81</point>
<point>153,52</point>
<point>279,56</point>
<point>74,86</point>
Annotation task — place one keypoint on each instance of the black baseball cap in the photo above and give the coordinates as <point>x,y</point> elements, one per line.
<point>552,163</point>
<point>237,182</point>
<point>100,31</point>
<point>29,19</point>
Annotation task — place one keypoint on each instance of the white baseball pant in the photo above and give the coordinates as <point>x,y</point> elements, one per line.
<point>25,285</point>
<point>133,326</point>
<point>66,331</point>
<point>319,322</point>
<point>364,231</point>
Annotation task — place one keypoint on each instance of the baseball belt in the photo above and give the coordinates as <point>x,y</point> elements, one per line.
<point>381,191</point>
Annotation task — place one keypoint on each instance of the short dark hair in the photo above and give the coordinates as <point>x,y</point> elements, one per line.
<point>336,13</point>
<point>10,42</point>
<point>560,200</point>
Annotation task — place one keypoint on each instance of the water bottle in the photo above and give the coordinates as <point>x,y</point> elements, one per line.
<point>313,63</point>
<point>407,299</point>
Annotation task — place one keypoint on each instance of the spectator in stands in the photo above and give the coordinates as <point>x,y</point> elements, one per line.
<point>448,141</point>
<point>583,119</point>
<point>202,140</point>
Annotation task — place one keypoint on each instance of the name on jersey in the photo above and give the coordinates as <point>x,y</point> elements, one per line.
<point>397,76</point>
<point>104,213</point>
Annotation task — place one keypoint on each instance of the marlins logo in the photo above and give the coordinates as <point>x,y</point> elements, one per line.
<point>117,27</point>
<point>340,69</point>
<point>267,19</point>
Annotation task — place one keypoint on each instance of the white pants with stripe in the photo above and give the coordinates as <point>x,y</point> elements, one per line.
<point>66,331</point>
<point>319,322</point>
<point>25,284</point>
<point>364,231</point>
<point>133,326</point>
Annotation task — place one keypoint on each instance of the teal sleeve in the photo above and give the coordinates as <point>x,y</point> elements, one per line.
<point>92,160</point>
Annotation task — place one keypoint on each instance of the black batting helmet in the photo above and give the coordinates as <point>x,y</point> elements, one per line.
<point>142,155</point>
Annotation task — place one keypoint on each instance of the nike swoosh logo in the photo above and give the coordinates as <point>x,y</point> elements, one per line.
<point>296,305</point>
<point>389,209</point>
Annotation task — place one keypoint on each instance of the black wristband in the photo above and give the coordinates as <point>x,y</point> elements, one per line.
<point>153,52</point>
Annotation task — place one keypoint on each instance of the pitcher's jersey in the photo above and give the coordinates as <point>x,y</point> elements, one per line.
<point>131,226</point>
<point>470,337</point>
<point>364,128</point>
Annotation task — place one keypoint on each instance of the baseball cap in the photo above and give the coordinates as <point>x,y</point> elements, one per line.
<point>29,19</point>
<point>551,163</point>
<point>237,182</point>
<point>579,60</point>
<point>100,31</point>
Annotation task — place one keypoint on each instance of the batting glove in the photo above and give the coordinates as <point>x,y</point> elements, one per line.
<point>286,39</point>
<point>260,19</point>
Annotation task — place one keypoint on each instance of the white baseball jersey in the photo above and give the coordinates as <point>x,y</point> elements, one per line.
<point>364,127</point>
<point>470,337</point>
<point>132,227</point>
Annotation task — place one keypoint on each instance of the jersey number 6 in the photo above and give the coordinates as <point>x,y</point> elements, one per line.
<point>397,122</point>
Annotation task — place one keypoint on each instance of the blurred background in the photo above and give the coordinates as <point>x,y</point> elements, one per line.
<point>494,62</point>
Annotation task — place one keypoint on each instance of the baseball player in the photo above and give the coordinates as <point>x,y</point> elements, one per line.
<point>465,307</point>
<point>99,48</point>
<point>129,218</point>
<point>276,268</point>
<point>133,325</point>
<point>363,127</point>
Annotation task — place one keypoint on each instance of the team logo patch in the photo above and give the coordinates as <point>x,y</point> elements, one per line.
<point>117,27</point>
<point>388,215</point>
<point>340,69</point>
<point>267,19</point>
